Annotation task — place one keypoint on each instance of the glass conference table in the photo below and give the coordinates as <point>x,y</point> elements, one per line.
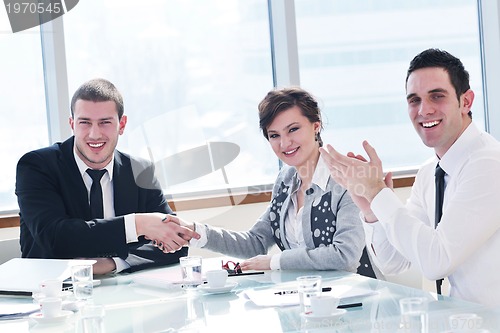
<point>134,306</point>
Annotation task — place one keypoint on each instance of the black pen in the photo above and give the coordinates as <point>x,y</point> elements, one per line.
<point>287,292</point>
<point>350,305</point>
<point>246,273</point>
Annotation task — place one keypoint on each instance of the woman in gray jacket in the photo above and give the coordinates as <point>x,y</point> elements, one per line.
<point>311,218</point>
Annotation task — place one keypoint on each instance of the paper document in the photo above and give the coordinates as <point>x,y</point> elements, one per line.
<point>160,278</point>
<point>277,296</point>
<point>22,276</point>
<point>15,311</point>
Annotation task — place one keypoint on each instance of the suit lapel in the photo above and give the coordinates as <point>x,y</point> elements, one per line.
<point>73,179</point>
<point>124,186</point>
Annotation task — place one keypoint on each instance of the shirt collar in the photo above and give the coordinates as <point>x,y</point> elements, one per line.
<point>321,174</point>
<point>82,167</point>
<point>460,149</point>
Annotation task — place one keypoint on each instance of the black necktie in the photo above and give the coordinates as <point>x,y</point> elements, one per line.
<point>96,205</point>
<point>439,207</point>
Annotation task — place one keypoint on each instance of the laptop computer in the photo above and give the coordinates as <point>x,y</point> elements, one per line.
<point>22,276</point>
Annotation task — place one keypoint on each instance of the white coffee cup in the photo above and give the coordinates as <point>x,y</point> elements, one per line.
<point>51,288</point>
<point>323,305</point>
<point>216,278</point>
<point>50,307</point>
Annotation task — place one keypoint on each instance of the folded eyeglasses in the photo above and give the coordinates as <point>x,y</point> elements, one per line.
<point>231,267</point>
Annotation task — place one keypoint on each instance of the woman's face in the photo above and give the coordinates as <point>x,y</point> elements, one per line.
<point>292,137</point>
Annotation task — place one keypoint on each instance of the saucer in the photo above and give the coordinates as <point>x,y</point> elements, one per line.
<point>39,318</point>
<point>335,315</point>
<point>63,295</point>
<point>205,288</point>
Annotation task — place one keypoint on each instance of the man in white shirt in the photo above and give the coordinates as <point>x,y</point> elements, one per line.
<point>465,245</point>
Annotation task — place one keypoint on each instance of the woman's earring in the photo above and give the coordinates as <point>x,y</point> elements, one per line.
<point>318,139</point>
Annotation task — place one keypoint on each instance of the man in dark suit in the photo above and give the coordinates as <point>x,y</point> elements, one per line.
<point>53,186</point>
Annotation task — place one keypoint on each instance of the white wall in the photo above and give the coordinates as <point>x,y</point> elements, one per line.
<point>9,244</point>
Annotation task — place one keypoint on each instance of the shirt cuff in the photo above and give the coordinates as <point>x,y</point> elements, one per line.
<point>121,264</point>
<point>385,204</point>
<point>201,229</point>
<point>275,262</point>
<point>368,227</point>
<point>130,230</point>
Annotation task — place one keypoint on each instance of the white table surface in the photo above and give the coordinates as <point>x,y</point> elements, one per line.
<point>132,307</point>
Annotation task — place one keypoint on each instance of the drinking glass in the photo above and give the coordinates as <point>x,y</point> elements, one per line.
<point>191,271</point>
<point>82,276</point>
<point>308,286</point>
<point>414,314</point>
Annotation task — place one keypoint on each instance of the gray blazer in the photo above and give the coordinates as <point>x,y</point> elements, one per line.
<point>333,232</point>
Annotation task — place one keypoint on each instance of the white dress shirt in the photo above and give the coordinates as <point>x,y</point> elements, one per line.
<point>108,204</point>
<point>465,247</point>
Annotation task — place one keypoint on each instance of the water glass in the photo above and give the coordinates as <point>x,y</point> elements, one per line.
<point>91,319</point>
<point>82,276</point>
<point>308,286</point>
<point>414,314</point>
<point>191,271</point>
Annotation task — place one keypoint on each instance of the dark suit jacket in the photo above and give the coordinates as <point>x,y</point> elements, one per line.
<point>55,214</point>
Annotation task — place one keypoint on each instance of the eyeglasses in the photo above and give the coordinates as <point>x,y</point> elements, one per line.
<point>231,267</point>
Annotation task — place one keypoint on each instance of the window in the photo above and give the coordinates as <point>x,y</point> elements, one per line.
<point>22,101</point>
<point>353,55</point>
<point>190,72</point>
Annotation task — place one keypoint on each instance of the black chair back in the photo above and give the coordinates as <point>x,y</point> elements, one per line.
<point>365,268</point>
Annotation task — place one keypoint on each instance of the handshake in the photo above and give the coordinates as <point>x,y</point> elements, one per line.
<point>167,232</point>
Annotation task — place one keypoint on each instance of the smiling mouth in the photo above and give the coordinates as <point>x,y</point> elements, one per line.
<point>290,151</point>
<point>431,124</point>
<point>96,145</point>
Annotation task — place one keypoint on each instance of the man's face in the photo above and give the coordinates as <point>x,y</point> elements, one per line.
<point>96,129</point>
<point>437,115</point>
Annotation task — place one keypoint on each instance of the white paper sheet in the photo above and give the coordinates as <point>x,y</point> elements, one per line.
<point>270,297</point>
<point>13,310</point>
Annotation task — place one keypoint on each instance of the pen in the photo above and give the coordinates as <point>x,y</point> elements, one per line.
<point>350,305</point>
<point>286,292</point>
<point>246,273</point>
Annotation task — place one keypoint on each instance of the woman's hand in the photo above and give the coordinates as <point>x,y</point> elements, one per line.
<point>260,263</point>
